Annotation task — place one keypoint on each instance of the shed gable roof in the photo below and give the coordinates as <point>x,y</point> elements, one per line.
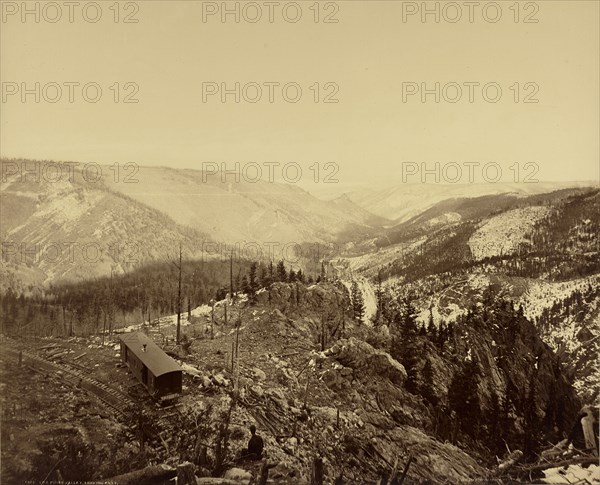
<point>154,358</point>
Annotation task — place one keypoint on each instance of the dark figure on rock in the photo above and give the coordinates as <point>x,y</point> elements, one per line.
<point>255,445</point>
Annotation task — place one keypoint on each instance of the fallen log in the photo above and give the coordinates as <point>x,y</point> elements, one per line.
<point>146,476</point>
<point>584,460</point>
<point>216,481</point>
<point>510,461</point>
<point>49,346</point>
<point>58,354</point>
<point>400,480</point>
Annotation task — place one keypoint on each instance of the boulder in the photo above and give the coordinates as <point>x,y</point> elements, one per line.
<point>361,356</point>
<point>334,380</point>
<point>259,374</point>
<point>277,396</point>
<point>220,380</point>
<point>257,391</point>
<point>237,474</point>
<point>382,364</point>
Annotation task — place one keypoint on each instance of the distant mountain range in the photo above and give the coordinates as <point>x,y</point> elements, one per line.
<point>71,227</point>
<point>400,202</point>
<point>76,228</point>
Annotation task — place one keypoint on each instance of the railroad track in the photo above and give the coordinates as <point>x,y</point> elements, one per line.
<point>73,374</point>
<point>111,397</point>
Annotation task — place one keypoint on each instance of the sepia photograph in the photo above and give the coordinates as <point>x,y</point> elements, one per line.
<point>299,242</point>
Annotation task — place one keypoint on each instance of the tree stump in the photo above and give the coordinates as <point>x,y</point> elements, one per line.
<point>185,474</point>
<point>317,471</point>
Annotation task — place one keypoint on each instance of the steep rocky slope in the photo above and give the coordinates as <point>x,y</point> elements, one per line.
<point>62,222</point>
<point>72,229</point>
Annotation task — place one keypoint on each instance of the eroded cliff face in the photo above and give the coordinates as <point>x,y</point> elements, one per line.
<point>490,374</point>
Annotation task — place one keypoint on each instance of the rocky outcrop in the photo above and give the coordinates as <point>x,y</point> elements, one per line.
<point>297,298</point>
<point>363,358</point>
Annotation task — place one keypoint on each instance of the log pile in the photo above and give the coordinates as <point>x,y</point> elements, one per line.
<point>555,457</point>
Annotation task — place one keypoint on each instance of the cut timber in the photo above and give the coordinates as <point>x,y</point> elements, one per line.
<point>264,472</point>
<point>317,472</point>
<point>49,346</point>
<point>163,442</point>
<point>146,476</point>
<point>80,356</point>
<point>58,354</point>
<point>185,474</point>
<point>406,467</point>
<point>584,461</point>
<point>216,481</point>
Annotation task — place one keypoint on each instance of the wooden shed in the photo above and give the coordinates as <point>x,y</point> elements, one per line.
<point>158,372</point>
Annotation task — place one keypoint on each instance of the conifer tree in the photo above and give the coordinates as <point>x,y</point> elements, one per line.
<point>358,305</point>
<point>291,276</point>
<point>271,272</point>
<point>252,283</point>
<point>431,328</point>
<point>464,397</point>
<point>379,298</point>
<point>281,273</point>
<point>427,385</point>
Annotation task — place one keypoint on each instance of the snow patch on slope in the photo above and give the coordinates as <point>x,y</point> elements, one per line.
<point>503,233</point>
<point>368,295</point>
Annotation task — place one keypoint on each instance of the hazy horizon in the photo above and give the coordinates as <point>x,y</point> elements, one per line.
<point>368,55</point>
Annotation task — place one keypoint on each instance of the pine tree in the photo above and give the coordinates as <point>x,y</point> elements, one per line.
<point>252,283</point>
<point>379,298</point>
<point>281,274</point>
<point>263,277</point>
<point>431,328</point>
<point>442,335</point>
<point>405,345</point>
<point>291,276</point>
<point>464,397</point>
<point>245,285</point>
<point>271,273</point>
<point>494,421</point>
<point>427,385</point>
<point>358,305</point>
<point>533,434</point>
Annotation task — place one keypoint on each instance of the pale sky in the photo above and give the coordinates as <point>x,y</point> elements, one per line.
<point>369,53</point>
